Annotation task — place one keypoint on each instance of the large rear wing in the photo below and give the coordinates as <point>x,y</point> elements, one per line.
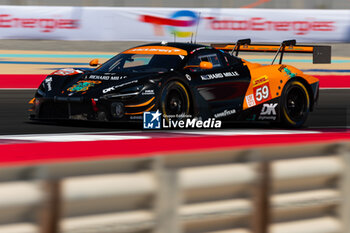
<point>321,54</point>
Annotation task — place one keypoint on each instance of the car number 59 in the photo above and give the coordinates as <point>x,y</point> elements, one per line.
<point>262,93</point>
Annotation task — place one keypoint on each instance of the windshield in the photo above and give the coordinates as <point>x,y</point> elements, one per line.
<point>141,63</point>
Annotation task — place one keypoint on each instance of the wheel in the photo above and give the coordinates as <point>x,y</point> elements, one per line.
<point>295,106</point>
<point>175,100</point>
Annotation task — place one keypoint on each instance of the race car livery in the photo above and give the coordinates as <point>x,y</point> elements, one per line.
<point>184,80</point>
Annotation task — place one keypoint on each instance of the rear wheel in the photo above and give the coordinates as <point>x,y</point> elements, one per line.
<point>175,101</point>
<point>295,106</point>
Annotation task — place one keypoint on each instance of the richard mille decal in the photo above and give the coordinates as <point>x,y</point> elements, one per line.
<point>106,77</point>
<point>219,75</point>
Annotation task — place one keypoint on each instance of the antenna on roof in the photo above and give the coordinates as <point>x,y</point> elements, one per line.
<point>199,18</point>
<point>174,36</point>
<point>191,37</point>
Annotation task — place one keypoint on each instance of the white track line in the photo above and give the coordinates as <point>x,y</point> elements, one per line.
<point>71,138</point>
<point>260,132</point>
<point>93,136</point>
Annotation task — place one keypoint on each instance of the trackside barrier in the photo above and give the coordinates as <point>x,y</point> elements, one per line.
<point>163,24</point>
<point>295,189</point>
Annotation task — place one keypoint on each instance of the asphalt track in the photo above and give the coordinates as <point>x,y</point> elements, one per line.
<point>331,114</point>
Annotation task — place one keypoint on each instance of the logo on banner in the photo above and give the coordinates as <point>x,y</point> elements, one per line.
<point>175,24</point>
<point>46,25</point>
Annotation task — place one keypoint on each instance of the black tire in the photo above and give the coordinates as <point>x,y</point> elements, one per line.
<point>175,100</point>
<point>295,105</point>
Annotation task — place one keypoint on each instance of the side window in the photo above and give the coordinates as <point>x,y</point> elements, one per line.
<point>209,56</point>
<point>212,58</point>
<point>231,60</point>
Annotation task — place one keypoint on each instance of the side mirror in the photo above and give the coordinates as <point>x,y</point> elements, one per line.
<point>205,65</point>
<point>94,62</point>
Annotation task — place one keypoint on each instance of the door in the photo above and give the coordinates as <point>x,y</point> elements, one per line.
<point>224,86</point>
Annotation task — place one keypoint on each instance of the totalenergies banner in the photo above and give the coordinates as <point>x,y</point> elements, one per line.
<point>156,24</point>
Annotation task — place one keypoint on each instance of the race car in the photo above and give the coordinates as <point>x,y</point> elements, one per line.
<point>184,80</point>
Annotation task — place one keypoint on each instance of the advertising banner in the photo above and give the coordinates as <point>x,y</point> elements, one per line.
<point>157,24</point>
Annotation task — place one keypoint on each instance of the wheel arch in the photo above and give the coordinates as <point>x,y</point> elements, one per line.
<point>188,89</point>
<point>308,88</point>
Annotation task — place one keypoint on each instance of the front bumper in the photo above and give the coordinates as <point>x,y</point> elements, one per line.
<point>79,108</point>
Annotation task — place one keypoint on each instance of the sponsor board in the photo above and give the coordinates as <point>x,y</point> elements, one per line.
<point>156,24</point>
<point>41,24</point>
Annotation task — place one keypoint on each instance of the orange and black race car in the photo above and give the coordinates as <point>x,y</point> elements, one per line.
<point>184,79</point>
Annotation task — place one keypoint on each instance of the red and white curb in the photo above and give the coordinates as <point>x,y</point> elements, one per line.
<point>135,135</point>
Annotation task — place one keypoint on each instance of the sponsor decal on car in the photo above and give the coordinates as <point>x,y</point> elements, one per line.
<point>135,117</point>
<point>260,81</point>
<point>109,89</point>
<point>65,72</point>
<point>261,89</point>
<point>148,92</point>
<point>250,100</point>
<point>83,86</point>
<point>48,82</point>
<point>160,50</point>
<point>225,113</point>
<point>288,73</point>
<point>219,75</point>
<point>268,112</point>
<point>106,77</point>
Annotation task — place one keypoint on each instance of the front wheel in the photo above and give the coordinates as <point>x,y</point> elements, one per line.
<point>295,106</point>
<point>175,100</point>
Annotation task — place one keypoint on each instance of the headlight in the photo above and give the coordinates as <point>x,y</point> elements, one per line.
<point>41,90</point>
